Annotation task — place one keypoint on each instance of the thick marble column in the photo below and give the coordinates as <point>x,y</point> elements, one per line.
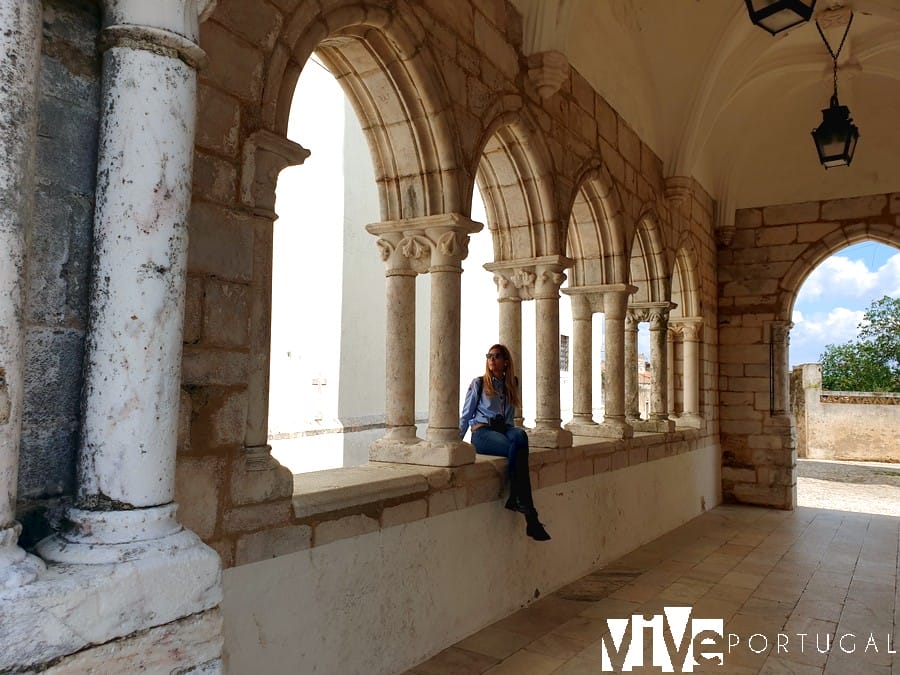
<point>632,390</point>
<point>126,463</point>
<point>615,301</point>
<point>586,301</point>
<point>691,329</point>
<point>658,315</point>
<point>547,432</point>
<point>779,372</point>
<point>437,245</point>
<point>20,53</point>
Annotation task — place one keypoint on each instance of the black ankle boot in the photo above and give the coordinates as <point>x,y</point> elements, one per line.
<point>516,504</point>
<point>534,528</point>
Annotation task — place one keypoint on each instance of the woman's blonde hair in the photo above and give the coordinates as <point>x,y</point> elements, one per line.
<point>512,382</point>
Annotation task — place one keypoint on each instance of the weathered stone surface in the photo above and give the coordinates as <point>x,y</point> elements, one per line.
<point>343,528</point>
<point>226,321</point>
<point>784,214</point>
<point>854,207</point>
<point>198,482</point>
<point>189,645</point>
<point>272,543</point>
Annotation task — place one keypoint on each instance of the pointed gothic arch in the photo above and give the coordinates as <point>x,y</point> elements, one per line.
<point>815,255</point>
<point>514,175</point>
<point>382,62</point>
<point>648,265</point>
<point>596,231</point>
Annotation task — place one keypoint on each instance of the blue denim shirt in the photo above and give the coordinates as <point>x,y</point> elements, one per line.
<point>480,410</point>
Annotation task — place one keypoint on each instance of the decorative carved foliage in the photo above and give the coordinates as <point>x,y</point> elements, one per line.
<point>385,249</point>
<point>415,247</point>
<point>524,281</point>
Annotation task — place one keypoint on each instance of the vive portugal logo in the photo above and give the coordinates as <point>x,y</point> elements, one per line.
<point>681,642</point>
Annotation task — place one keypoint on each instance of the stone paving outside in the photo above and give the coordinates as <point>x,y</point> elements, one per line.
<point>826,571</point>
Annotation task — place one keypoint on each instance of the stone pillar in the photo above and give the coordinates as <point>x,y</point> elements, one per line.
<point>404,259</point>
<point>434,244</point>
<point>658,315</point>
<point>632,392</point>
<point>582,364</point>
<point>615,301</point>
<point>670,372</point>
<point>690,415</point>
<point>779,374</point>
<point>20,53</point>
<point>512,285</point>
<point>126,463</point>
<point>547,432</point>
<point>259,476</point>
<point>586,301</point>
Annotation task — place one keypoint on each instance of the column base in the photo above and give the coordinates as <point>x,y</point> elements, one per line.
<point>104,537</point>
<point>613,427</point>
<point>583,428</point>
<point>423,453</point>
<point>57,615</point>
<point>17,568</point>
<point>690,421</point>
<point>549,438</point>
<point>657,425</point>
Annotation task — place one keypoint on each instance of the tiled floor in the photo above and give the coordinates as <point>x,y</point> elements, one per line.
<point>771,576</point>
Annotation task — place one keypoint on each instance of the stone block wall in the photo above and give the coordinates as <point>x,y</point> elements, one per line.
<point>760,271</point>
<point>59,255</point>
<point>232,495</point>
<point>843,425</point>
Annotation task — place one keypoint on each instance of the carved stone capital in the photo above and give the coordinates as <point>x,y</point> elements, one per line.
<point>780,332</point>
<point>688,328</point>
<point>547,72</point>
<point>678,192</point>
<point>430,243</point>
<point>265,155</point>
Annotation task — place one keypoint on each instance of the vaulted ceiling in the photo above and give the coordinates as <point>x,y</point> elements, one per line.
<point>722,100</point>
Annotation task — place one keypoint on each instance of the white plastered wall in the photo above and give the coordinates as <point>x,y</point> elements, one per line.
<point>385,601</point>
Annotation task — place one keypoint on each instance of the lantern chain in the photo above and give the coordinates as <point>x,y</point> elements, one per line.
<point>835,55</point>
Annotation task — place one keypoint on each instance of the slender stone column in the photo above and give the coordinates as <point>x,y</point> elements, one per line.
<point>265,155</point>
<point>509,282</point>
<point>779,373</point>
<point>20,52</point>
<point>658,313</point>
<point>450,247</point>
<point>434,244</point>
<point>126,463</point>
<point>690,416</point>
<point>632,391</point>
<point>670,372</point>
<point>615,301</point>
<point>582,363</point>
<point>404,258</point>
<point>547,432</point>
<point>586,301</point>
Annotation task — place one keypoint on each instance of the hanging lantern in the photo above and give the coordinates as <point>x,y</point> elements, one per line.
<point>836,136</point>
<point>776,16</point>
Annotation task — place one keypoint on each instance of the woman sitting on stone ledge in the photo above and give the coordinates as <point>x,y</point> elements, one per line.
<point>489,409</point>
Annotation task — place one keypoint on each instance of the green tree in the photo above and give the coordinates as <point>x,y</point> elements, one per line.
<point>872,361</point>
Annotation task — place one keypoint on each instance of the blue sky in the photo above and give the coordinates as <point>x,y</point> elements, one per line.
<point>834,296</point>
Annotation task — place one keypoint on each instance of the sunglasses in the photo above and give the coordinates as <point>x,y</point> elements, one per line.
<point>494,357</point>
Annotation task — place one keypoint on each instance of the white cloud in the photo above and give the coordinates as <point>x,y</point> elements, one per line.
<point>848,278</point>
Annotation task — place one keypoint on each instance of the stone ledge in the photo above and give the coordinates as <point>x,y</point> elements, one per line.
<point>381,495</point>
